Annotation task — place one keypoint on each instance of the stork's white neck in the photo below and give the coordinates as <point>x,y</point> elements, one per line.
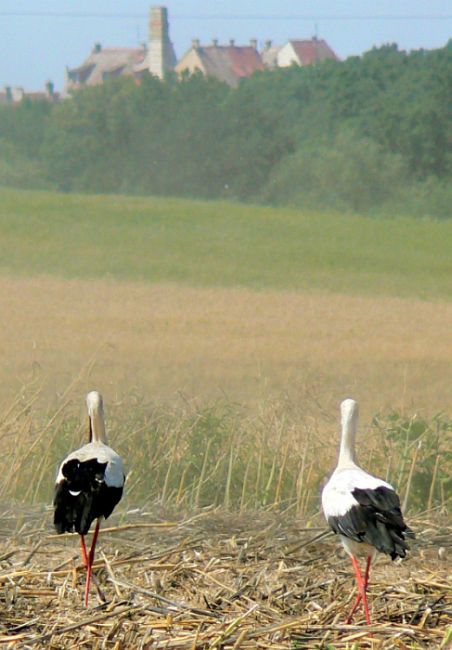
<point>95,406</point>
<point>349,420</point>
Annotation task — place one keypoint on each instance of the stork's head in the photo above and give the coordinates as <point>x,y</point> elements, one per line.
<point>95,406</point>
<point>94,403</point>
<point>349,410</point>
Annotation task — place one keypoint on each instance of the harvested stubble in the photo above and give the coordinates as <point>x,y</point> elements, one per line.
<point>215,580</point>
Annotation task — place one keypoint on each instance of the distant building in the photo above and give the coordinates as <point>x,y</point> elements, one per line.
<point>306,52</point>
<point>228,63</point>
<point>160,57</point>
<point>269,55</point>
<point>107,63</point>
<point>103,64</point>
<point>15,94</point>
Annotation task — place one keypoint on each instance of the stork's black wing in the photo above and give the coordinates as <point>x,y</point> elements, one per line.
<point>377,520</point>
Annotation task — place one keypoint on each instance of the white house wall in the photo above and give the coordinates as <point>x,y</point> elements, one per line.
<point>287,56</point>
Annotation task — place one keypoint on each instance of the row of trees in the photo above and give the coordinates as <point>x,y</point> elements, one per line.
<point>369,133</point>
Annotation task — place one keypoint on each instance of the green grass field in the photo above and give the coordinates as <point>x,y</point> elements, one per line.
<point>219,244</point>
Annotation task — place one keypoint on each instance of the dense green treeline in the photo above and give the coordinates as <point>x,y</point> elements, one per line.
<point>369,134</point>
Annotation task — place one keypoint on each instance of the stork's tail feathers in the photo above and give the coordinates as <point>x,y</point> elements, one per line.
<point>82,496</point>
<point>385,526</point>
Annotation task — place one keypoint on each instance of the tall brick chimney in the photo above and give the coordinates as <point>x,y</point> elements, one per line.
<point>161,53</point>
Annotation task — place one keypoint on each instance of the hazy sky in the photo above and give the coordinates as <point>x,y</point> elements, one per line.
<point>38,38</point>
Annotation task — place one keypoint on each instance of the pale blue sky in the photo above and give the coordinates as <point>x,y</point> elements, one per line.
<point>36,44</point>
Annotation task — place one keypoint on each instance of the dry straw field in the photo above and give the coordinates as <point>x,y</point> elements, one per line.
<point>223,340</point>
<point>216,580</point>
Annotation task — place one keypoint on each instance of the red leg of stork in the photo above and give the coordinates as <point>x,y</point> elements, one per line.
<point>84,551</point>
<point>362,589</point>
<point>366,575</point>
<point>359,597</point>
<point>94,542</point>
<point>349,618</point>
<point>90,560</point>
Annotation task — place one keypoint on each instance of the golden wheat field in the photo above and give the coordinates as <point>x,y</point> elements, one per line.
<point>209,342</point>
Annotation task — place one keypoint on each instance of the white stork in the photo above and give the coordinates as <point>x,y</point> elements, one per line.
<point>89,484</point>
<point>362,509</point>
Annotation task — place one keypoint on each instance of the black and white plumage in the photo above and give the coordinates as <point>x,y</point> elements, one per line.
<point>89,483</point>
<point>363,509</point>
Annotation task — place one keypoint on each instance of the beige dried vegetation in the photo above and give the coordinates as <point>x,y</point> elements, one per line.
<point>217,580</point>
<point>209,342</point>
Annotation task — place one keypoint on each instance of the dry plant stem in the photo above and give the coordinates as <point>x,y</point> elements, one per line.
<point>180,492</point>
<point>410,476</point>
<point>433,482</point>
<point>168,473</point>
<point>202,474</point>
<point>227,499</point>
<point>281,475</point>
<point>244,487</point>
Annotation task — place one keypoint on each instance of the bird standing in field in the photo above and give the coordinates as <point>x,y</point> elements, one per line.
<point>362,509</point>
<point>89,484</point>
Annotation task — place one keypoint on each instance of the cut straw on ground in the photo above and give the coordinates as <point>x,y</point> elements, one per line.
<point>217,580</point>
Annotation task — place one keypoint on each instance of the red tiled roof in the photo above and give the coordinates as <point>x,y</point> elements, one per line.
<point>313,51</point>
<point>244,60</point>
<point>230,63</point>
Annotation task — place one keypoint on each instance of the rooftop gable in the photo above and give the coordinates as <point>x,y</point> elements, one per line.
<point>312,51</point>
<point>103,62</point>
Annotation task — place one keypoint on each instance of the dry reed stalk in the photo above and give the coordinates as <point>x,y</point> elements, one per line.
<point>180,496</point>
<point>307,492</point>
<point>244,487</point>
<point>202,474</point>
<point>433,481</point>
<point>388,468</point>
<point>269,481</point>
<point>257,487</point>
<point>301,480</point>
<point>281,475</point>
<point>168,473</point>
<point>410,475</point>
<point>227,492</point>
